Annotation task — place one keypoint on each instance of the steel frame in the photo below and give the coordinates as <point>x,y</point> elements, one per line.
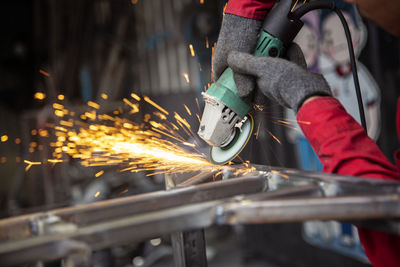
<point>195,202</point>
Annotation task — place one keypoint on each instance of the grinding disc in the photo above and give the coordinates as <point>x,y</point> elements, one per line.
<point>222,155</point>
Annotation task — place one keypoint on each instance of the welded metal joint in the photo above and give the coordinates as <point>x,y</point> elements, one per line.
<point>49,223</point>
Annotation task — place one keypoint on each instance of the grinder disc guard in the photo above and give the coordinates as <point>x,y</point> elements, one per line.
<point>222,155</point>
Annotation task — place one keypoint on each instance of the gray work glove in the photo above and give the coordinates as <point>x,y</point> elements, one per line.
<point>237,34</point>
<point>288,83</point>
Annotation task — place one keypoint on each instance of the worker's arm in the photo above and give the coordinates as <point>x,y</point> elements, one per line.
<point>344,148</point>
<point>340,142</point>
<point>252,9</point>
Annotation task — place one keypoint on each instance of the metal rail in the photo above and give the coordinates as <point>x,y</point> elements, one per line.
<point>265,196</point>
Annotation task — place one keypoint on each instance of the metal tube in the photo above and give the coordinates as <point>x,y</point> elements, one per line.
<point>302,209</point>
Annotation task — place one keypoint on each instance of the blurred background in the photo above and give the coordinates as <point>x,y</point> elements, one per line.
<point>74,51</point>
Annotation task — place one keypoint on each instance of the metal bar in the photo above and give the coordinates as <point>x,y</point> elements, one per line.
<point>125,220</point>
<point>19,227</point>
<point>196,216</point>
<point>113,232</point>
<point>330,178</point>
<point>302,209</point>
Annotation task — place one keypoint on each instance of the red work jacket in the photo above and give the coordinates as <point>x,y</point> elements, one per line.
<point>341,144</point>
<point>344,148</point>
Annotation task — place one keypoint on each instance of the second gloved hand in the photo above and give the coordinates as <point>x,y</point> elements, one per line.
<point>288,83</point>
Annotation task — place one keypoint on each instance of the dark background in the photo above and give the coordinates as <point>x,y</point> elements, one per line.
<point>117,47</point>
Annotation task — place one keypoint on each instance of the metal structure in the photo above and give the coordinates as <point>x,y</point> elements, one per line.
<point>263,195</point>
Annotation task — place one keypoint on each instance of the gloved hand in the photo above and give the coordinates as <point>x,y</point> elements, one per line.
<point>288,83</point>
<point>237,34</point>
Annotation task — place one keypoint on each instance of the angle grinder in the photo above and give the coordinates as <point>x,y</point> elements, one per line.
<point>225,123</point>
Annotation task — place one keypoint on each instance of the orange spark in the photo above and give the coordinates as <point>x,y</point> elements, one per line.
<point>191,50</point>
<point>187,110</point>
<point>104,96</point>
<point>97,194</point>
<point>54,161</point>
<point>93,105</point>
<point>60,97</point>
<point>304,122</point>
<point>285,122</point>
<point>198,118</point>
<point>135,107</point>
<point>4,138</point>
<point>58,106</point>
<point>39,95</point>
<point>151,102</point>
<point>44,73</point>
<point>66,123</point>
<point>135,96</point>
<point>279,173</point>
<point>189,144</point>
<point>59,113</point>
<point>186,77</point>
<point>273,136</point>
<point>198,105</point>
<point>30,164</point>
<point>99,174</point>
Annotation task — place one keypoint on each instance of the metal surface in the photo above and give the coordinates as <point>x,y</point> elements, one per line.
<point>302,209</point>
<point>20,227</point>
<point>292,196</point>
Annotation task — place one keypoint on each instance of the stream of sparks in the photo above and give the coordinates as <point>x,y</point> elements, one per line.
<point>158,143</point>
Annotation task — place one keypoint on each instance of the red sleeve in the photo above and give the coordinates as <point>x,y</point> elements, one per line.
<point>252,9</point>
<point>341,143</point>
<point>344,148</point>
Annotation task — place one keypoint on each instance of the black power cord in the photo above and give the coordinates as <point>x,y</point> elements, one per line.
<point>305,8</point>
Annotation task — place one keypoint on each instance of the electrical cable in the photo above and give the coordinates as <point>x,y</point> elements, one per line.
<point>305,8</point>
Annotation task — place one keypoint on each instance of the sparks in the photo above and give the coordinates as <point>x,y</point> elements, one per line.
<point>187,110</point>
<point>273,136</point>
<point>44,73</point>
<point>135,96</point>
<point>153,145</point>
<point>191,50</point>
<point>93,105</point>
<point>39,96</point>
<point>151,102</point>
<point>100,173</point>
<point>186,77</point>
<point>30,164</point>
